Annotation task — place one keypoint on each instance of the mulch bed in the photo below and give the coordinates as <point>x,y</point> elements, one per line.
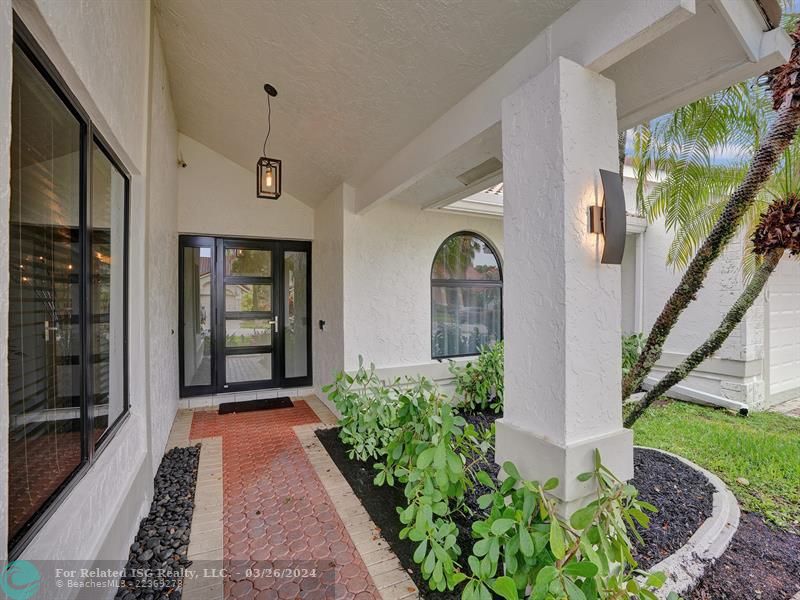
<point>381,503</point>
<point>162,543</point>
<point>761,563</point>
<point>685,498</point>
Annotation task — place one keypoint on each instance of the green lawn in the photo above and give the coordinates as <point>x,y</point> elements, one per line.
<point>762,451</point>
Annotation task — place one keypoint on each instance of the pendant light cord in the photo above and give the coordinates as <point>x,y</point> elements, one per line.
<point>269,126</point>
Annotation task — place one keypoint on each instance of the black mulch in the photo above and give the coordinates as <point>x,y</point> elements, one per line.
<point>381,502</point>
<point>684,499</point>
<point>162,543</point>
<point>761,563</point>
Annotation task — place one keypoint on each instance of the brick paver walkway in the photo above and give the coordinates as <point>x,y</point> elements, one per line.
<point>276,509</point>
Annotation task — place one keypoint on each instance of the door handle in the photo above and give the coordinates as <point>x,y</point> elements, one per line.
<point>274,323</point>
<point>47,330</point>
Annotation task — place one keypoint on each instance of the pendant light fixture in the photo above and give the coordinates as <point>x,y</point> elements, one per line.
<point>268,170</point>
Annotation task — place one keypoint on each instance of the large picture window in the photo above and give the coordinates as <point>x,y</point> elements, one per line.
<point>67,360</point>
<point>466,296</point>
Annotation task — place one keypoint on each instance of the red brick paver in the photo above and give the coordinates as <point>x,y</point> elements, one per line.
<point>276,509</point>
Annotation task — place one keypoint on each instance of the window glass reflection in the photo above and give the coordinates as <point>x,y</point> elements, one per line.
<point>44,337</point>
<point>196,314</point>
<point>466,297</point>
<point>247,262</point>
<point>295,306</point>
<point>465,256</point>
<point>107,291</point>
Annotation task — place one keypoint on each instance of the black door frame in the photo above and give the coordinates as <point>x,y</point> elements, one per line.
<point>195,241</point>
<point>218,349</point>
<point>222,314</point>
<point>308,380</point>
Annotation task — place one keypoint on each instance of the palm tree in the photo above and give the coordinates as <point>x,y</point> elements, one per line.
<point>778,231</point>
<point>684,146</point>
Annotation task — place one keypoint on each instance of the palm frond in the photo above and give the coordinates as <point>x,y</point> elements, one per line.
<point>697,155</point>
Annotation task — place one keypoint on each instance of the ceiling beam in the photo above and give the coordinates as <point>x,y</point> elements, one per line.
<point>594,33</point>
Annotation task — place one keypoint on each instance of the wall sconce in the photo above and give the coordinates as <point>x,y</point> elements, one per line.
<point>268,170</point>
<point>609,219</point>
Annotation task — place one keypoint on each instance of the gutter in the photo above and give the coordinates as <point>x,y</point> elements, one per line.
<point>687,394</point>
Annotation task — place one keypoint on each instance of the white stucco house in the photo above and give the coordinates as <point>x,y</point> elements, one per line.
<point>139,271</point>
<point>759,364</point>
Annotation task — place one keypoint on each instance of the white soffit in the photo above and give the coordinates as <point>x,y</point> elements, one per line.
<point>357,80</point>
<point>724,43</point>
<point>661,54</point>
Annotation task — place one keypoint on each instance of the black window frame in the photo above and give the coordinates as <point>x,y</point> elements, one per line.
<point>471,283</point>
<point>90,451</point>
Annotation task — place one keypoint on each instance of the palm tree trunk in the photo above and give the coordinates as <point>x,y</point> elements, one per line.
<point>716,339</point>
<point>622,140</point>
<point>778,138</point>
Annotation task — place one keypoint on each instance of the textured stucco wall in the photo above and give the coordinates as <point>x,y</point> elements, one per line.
<point>102,51</point>
<point>217,196</point>
<point>562,313</point>
<point>103,41</point>
<point>562,317</point>
<point>660,280</point>
<point>162,255</point>
<point>388,254</point>
<point>328,287</point>
<point>5,166</point>
<point>735,372</point>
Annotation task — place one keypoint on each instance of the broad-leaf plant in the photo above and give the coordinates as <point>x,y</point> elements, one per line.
<point>523,547</point>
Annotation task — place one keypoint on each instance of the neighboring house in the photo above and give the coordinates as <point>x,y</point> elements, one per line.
<point>130,132</point>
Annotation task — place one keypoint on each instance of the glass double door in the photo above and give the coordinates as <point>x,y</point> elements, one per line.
<point>245,313</point>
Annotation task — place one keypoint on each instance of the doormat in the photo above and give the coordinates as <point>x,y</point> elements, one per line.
<point>251,405</point>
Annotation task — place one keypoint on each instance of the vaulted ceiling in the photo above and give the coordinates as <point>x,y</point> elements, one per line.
<point>356,79</point>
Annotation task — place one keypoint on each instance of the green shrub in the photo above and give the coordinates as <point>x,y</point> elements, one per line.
<point>480,384</point>
<point>435,482</point>
<point>522,545</point>
<point>420,443</point>
<point>631,349</point>
<point>369,411</point>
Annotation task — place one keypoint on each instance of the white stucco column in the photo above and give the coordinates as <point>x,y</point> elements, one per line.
<point>562,306</point>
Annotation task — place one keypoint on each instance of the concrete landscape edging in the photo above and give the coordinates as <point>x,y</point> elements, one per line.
<point>685,567</point>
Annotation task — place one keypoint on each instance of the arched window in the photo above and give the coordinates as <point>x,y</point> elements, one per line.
<point>466,296</point>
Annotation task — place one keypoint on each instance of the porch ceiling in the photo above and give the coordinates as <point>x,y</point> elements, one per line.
<point>356,80</point>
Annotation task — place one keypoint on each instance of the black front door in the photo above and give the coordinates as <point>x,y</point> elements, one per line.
<point>245,313</point>
<point>248,311</point>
